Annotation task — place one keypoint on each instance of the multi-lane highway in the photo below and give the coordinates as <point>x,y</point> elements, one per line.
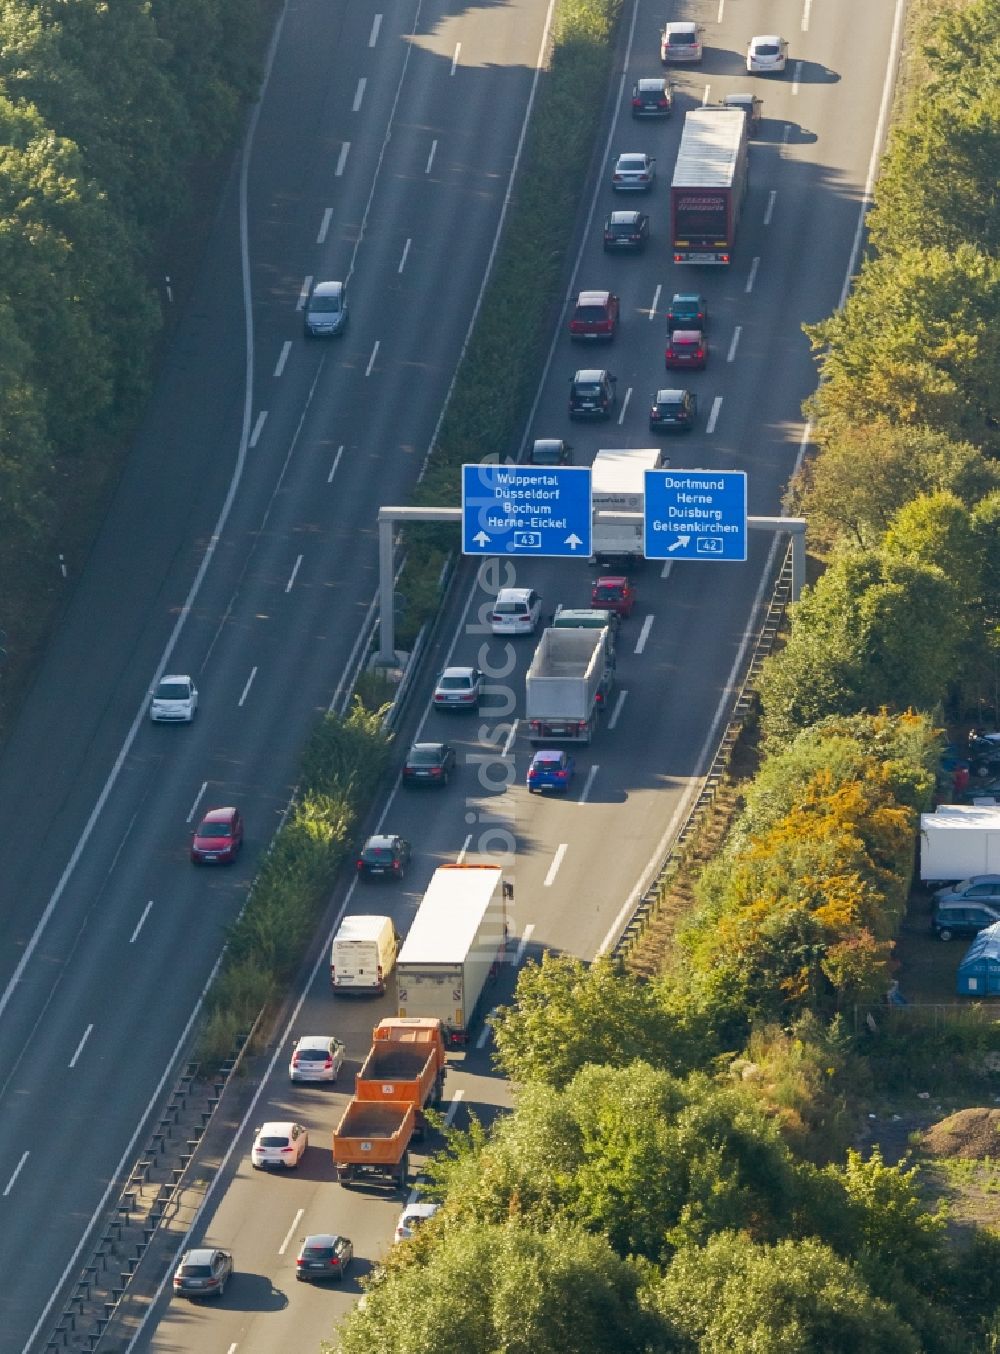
<point>240,547</point>
<point>380,148</point>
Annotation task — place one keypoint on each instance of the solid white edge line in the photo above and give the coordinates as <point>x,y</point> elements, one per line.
<point>557,860</point>
<point>589,783</point>
<point>79,1047</point>
<point>138,925</point>
<point>291,1231</point>
<point>647,625</point>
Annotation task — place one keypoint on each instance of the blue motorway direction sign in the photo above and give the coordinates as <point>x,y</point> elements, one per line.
<point>695,514</point>
<point>526,510</point>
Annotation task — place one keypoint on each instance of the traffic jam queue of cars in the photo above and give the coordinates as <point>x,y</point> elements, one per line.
<point>567,686</point>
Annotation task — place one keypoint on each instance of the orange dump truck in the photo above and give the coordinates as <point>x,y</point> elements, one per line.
<point>406,1066</point>
<point>372,1141</point>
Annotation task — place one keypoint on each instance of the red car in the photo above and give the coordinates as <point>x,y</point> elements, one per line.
<point>595,316</point>
<point>686,348</point>
<point>218,838</point>
<point>613,594</point>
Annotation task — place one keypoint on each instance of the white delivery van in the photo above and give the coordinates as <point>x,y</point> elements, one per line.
<point>363,955</point>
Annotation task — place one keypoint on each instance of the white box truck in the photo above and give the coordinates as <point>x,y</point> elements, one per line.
<point>362,955</point>
<point>617,480</point>
<point>568,684</point>
<point>959,840</point>
<point>457,940</point>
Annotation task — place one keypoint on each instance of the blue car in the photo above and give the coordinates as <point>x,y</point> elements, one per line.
<point>551,771</point>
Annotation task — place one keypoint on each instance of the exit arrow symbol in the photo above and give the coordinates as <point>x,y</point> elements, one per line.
<point>481,539</point>
<point>679,544</point>
<point>573,541</point>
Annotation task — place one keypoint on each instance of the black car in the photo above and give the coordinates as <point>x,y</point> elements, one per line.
<point>383,855</point>
<point>688,310</point>
<point>324,1256</point>
<point>592,394</point>
<point>549,451</point>
<point>673,410</point>
<point>429,764</point>
<point>626,231</point>
<point>652,98</point>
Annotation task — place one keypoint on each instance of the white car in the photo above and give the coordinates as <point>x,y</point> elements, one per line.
<point>411,1218</point>
<point>516,611</point>
<point>767,54</point>
<point>174,701</point>
<point>633,172</point>
<point>278,1145</point>
<point>680,42</point>
<point>316,1057</point>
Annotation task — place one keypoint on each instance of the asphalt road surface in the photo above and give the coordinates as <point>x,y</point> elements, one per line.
<point>95,843</point>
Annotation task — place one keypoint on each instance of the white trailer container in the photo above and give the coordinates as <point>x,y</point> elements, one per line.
<point>457,939</point>
<point>567,684</point>
<point>618,485</point>
<point>959,840</point>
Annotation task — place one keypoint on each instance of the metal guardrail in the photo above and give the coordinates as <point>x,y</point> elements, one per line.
<point>647,905</point>
<point>159,1176</point>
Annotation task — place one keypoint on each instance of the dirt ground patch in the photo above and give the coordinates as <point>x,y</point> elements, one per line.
<point>970,1135</point>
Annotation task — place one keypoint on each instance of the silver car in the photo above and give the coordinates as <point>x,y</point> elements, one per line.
<point>203,1273</point>
<point>634,172</point>
<point>326,310</point>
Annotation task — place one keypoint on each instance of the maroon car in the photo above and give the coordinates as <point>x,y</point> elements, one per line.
<point>686,348</point>
<point>218,838</point>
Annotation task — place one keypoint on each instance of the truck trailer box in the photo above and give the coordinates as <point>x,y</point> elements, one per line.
<point>373,1140</point>
<point>456,940</point>
<point>569,678</point>
<point>959,840</point>
<point>617,477</point>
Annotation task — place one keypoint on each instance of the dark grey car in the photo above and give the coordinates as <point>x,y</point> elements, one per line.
<point>326,310</point>
<point>203,1273</point>
<point>324,1256</point>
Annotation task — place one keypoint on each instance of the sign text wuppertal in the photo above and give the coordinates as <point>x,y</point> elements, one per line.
<point>526,510</point>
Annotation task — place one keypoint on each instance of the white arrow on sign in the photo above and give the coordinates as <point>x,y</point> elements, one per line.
<point>679,544</point>
<point>481,539</point>
<point>573,541</point>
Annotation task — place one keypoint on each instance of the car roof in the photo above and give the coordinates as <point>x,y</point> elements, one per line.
<point>201,1255</point>
<point>686,336</point>
<point>328,289</point>
<point>549,755</point>
<point>458,672</point>
<point>632,155</point>
<point>428,747</point>
<point>278,1126</point>
<point>419,1210</point>
<point>686,296</point>
<point>682,27</point>
<point>175,677</point>
<point>590,374</point>
<point>611,581</point>
<point>766,37</point>
<point>313,1041</point>
<point>670,396</point>
<point>218,815</point>
<point>982,879</point>
<point>620,217</point>
<point>514,594</point>
<point>593,298</point>
<point>548,442</point>
<point>322,1239</point>
<point>651,82</point>
<point>380,839</point>
<point>740,100</point>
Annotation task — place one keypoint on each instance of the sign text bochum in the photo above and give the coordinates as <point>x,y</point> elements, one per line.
<point>526,510</point>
